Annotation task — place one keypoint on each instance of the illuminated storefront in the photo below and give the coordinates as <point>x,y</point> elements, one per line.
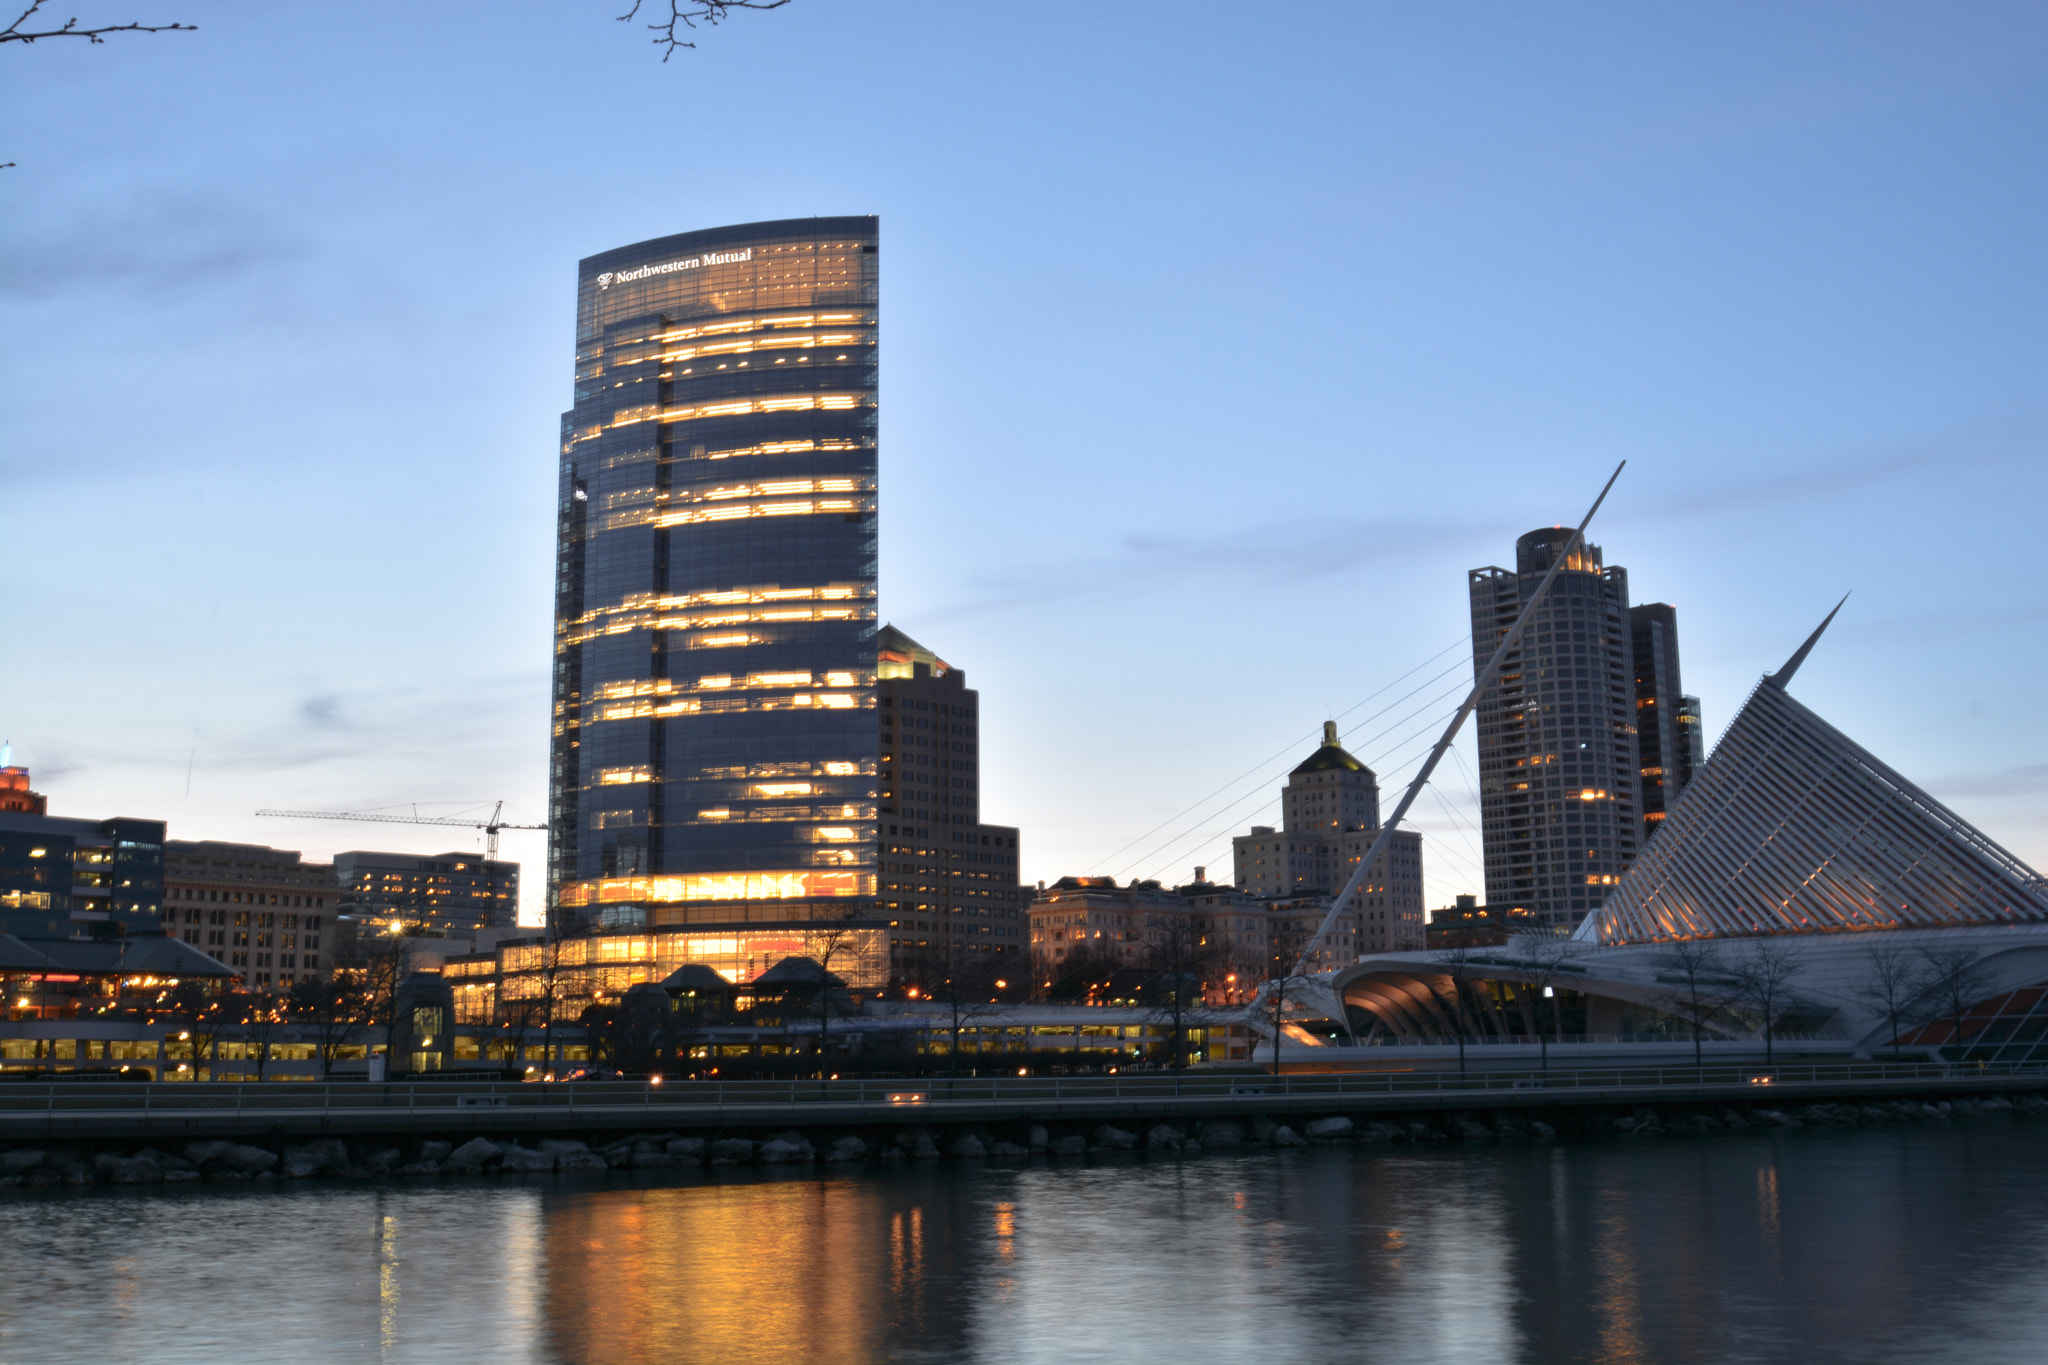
<point>714,735</point>
<point>605,966</point>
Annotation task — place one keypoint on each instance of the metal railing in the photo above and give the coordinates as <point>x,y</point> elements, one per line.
<point>1022,1093</point>
<point>1568,1040</point>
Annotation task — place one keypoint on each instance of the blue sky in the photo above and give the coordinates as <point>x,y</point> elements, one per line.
<point>1219,341</point>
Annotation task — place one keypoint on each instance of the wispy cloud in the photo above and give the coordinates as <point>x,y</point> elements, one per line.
<point>2029,779</point>
<point>1926,626</point>
<point>1276,554</point>
<point>323,712</point>
<point>161,242</point>
<point>53,763</point>
<point>1820,484</point>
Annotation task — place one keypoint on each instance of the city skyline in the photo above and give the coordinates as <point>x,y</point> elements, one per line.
<point>1797,290</point>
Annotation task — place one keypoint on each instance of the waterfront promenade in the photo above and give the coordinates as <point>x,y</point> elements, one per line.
<point>166,1112</point>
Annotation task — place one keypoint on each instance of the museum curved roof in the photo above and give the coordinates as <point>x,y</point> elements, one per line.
<point>1794,828</point>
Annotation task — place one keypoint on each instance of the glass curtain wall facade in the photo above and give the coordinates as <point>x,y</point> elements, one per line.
<point>1557,733</point>
<point>65,878</point>
<point>715,747</point>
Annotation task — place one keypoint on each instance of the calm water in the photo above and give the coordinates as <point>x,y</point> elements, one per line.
<point>1897,1244</point>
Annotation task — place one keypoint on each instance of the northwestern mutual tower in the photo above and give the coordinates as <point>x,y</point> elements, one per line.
<point>715,748</point>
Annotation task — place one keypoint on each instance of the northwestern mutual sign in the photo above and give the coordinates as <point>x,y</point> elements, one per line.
<point>609,278</point>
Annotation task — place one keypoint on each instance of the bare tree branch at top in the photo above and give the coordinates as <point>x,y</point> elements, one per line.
<point>15,33</point>
<point>688,14</point>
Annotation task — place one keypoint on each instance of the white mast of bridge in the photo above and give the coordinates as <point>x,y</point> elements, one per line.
<point>1485,680</point>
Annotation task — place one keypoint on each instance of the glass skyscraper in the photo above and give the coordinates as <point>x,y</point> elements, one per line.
<point>715,744</point>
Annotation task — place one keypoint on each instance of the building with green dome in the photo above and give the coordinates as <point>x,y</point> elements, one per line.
<point>1330,815</point>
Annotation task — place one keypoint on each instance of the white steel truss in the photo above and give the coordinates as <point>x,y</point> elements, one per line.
<point>1794,828</point>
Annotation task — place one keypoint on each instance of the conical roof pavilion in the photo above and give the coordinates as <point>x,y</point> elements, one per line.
<point>1794,828</point>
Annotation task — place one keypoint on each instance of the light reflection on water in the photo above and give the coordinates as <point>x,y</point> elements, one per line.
<point>1816,1246</point>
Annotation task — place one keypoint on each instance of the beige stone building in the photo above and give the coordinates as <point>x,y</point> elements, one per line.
<point>1129,925</point>
<point>261,910</point>
<point>1330,815</point>
<point>1077,914</point>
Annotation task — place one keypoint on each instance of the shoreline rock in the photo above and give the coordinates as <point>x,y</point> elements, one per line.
<point>45,1166</point>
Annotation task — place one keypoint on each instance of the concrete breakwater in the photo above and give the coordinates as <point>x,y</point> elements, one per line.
<point>279,1160</point>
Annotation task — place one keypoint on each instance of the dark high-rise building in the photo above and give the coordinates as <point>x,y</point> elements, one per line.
<point>1691,736</point>
<point>62,878</point>
<point>1557,741</point>
<point>1665,736</point>
<point>715,743</point>
<point>947,880</point>
<point>442,891</point>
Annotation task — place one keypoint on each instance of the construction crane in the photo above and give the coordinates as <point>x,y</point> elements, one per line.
<point>490,827</point>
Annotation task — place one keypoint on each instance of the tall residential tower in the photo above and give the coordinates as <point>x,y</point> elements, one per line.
<point>1667,721</point>
<point>715,751</point>
<point>1557,733</point>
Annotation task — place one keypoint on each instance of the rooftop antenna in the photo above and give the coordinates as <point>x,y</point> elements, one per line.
<point>1486,677</point>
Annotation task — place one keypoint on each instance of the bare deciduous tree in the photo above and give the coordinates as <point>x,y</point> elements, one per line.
<point>1089,964</point>
<point>563,986</point>
<point>1456,964</point>
<point>1286,939</point>
<point>1893,980</point>
<point>203,1014</point>
<point>687,14</point>
<point>1543,958</point>
<point>263,1019</point>
<point>521,1016</point>
<point>333,1008</point>
<point>837,938</point>
<point>1703,987</point>
<point>378,961</point>
<point>1955,978</point>
<point>632,1034</point>
<point>1763,979</point>
<point>16,33</point>
<point>1181,957</point>
<point>962,979</point>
